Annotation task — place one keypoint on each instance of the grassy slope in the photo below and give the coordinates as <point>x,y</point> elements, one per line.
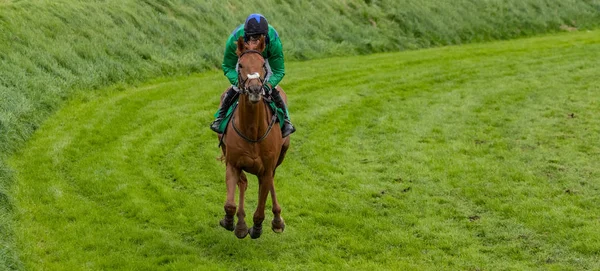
<point>52,50</point>
<point>471,157</point>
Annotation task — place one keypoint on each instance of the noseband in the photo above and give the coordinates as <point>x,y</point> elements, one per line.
<point>242,82</point>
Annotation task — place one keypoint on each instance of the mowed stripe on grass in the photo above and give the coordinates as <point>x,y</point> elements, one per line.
<point>467,157</point>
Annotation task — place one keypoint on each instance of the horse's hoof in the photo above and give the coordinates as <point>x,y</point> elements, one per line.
<point>228,225</point>
<point>241,232</point>
<point>278,226</point>
<point>254,232</point>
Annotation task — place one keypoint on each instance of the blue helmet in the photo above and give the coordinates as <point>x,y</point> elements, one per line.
<point>256,24</point>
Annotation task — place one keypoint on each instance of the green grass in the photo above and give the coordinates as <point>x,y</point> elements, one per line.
<point>51,51</point>
<point>476,157</point>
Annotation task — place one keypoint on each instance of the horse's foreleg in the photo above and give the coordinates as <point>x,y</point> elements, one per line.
<point>232,176</point>
<point>264,185</point>
<point>277,224</point>
<point>241,229</point>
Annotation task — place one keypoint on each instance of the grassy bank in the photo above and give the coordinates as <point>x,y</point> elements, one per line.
<point>50,49</point>
<point>53,50</point>
<point>479,157</point>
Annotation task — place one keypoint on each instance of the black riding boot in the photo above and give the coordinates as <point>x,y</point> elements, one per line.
<point>227,101</point>
<point>288,128</point>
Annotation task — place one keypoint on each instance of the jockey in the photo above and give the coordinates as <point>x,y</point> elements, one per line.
<point>256,26</point>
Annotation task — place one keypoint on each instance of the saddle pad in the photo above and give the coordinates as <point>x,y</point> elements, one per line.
<point>223,126</point>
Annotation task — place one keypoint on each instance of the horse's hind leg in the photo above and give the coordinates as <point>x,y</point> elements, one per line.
<point>241,229</point>
<point>284,148</point>
<point>277,224</point>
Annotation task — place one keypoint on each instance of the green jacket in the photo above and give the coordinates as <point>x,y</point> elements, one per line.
<point>273,53</point>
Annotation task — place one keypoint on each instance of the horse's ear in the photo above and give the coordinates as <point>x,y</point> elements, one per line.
<point>240,46</point>
<point>262,44</point>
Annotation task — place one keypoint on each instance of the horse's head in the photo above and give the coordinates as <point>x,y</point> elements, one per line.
<point>251,68</point>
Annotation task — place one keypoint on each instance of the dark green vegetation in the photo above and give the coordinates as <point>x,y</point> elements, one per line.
<point>51,51</point>
<point>479,157</point>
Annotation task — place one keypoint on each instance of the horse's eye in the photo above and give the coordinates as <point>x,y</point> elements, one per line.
<point>240,65</point>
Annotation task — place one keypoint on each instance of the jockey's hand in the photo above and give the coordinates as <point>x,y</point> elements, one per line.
<point>268,88</point>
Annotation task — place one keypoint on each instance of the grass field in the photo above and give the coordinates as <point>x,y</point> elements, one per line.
<point>476,157</point>
<point>52,51</point>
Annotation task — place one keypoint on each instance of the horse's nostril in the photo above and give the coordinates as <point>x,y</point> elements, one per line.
<point>254,89</point>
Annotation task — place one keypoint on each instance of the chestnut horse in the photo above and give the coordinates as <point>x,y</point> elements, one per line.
<point>252,143</point>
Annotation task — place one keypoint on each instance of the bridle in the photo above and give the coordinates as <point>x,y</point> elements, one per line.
<point>242,82</point>
<point>244,90</point>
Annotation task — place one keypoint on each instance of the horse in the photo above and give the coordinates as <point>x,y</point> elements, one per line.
<point>252,143</point>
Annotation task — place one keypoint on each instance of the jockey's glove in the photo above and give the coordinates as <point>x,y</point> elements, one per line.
<point>268,88</point>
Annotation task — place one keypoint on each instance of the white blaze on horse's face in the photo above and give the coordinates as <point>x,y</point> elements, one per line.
<point>253,76</point>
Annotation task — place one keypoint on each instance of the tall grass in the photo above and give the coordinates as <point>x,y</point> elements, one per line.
<point>52,50</point>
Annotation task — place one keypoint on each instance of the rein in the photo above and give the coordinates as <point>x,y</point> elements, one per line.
<point>242,87</point>
<point>273,119</point>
